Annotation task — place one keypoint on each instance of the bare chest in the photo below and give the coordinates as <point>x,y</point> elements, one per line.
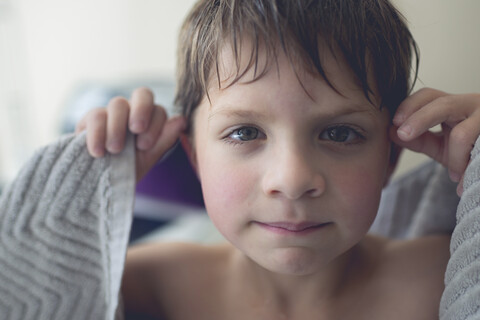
<point>215,306</point>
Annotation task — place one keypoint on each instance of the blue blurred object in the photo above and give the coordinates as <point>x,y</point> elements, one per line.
<point>91,95</point>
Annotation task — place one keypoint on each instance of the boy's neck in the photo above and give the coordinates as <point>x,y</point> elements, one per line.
<point>289,293</point>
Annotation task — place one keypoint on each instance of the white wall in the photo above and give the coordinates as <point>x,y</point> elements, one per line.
<point>448,34</point>
<point>47,47</point>
<point>61,43</point>
<point>69,41</point>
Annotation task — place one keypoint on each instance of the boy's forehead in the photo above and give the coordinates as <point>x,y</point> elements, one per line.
<point>232,66</point>
<point>250,66</point>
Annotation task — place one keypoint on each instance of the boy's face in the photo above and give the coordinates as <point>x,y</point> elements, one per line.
<point>292,180</point>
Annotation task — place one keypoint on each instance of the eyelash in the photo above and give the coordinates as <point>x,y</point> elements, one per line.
<point>228,138</point>
<point>359,137</point>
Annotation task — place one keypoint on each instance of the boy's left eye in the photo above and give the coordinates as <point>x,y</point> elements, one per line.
<point>245,134</point>
<point>341,134</point>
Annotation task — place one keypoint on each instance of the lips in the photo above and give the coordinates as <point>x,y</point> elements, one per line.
<point>289,227</point>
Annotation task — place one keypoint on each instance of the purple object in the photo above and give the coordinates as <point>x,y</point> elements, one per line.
<point>173,180</point>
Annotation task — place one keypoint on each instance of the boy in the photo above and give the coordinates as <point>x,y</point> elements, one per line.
<point>287,110</point>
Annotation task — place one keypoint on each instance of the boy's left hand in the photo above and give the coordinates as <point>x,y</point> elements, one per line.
<point>459,117</point>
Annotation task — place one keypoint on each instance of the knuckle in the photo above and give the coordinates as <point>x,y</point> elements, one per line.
<point>476,98</point>
<point>118,102</point>
<point>446,100</point>
<point>142,100</point>
<point>94,110</point>
<point>460,136</point>
<point>161,112</point>
<point>79,128</point>
<point>425,90</point>
<point>143,91</point>
<point>97,115</point>
<point>430,93</point>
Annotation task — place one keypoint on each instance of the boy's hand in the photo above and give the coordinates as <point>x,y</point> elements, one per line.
<point>459,117</point>
<point>107,128</point>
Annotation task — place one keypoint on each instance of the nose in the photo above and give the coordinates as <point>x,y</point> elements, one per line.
<point>293,174</point>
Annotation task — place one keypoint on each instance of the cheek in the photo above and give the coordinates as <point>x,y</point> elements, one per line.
<point>359,188</point>
<point>227,189</point>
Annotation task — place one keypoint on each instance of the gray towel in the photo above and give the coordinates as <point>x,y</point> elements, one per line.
<point>64,224</point>
<point>461,297</point>
<point>419,203</point>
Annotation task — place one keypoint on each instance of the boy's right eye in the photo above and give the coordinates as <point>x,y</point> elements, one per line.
<point>244,134</point>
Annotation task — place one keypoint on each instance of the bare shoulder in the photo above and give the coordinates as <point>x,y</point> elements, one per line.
<point>411,273</point>
<point>160,276</point>
<point>417,260</point>
<point>421,257</point>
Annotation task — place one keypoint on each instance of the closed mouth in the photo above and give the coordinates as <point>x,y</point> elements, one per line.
<point>290,227</point>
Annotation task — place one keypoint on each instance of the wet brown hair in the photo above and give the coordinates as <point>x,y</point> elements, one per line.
<point>371,35</point>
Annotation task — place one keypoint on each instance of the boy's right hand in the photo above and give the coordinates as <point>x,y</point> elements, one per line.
<point>107,128</point>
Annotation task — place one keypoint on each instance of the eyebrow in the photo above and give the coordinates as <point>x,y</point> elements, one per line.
<point>230,111</point>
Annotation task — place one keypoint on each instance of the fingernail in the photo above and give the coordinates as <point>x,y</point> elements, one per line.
<point>405,131</point>
<point>459,190</point>
<point>137,126</point>
<point>455,177</point>
<point>98,152</point>
<point>113,146</point>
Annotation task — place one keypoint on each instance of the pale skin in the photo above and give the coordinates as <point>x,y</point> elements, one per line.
<point>293,182</point>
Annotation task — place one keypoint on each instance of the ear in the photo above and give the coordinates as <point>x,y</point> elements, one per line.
<point>189,148</point>
<point>395,151</point>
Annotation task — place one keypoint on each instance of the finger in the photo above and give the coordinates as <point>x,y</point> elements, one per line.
<point>81,125</point>
<point>96,132</point>
<point>461,142</point>
<point>169,135</point>
<point>429,143</point>
<point>460,187</point>
<point>147,139</point>
<point>460,183</point>
<point>462,179</point>
<point>142,107</point>
<point>414,102</point>
<point>446,109</point>
<point>118,111</point>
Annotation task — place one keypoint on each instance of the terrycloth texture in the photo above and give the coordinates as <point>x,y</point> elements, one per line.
<point>461,297</point>
<point>64,224</point>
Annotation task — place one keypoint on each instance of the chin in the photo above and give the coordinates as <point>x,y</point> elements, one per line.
<point>292,261</point>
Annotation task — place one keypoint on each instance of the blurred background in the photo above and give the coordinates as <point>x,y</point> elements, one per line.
<point>58,58</point>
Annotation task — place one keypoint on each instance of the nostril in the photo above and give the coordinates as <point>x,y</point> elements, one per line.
<point>317,186</point>
<point>293,177</point>
<point>314,192</point>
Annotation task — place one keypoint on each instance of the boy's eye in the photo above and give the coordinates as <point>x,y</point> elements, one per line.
<point>245,134</point>
<point>342,134</point>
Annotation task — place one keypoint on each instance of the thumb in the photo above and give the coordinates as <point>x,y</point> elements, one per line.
<point>429,143</point>
<point>169,135</point>
<point>167,139</point>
